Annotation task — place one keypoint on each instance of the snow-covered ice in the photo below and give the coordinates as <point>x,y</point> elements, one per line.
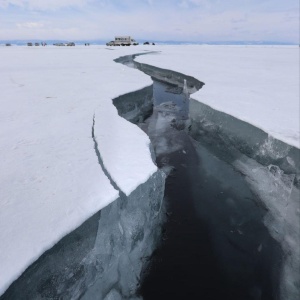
<point>126,144</point>
<point>51,181</point>
<point>256,84</point>
<point>53,99</point>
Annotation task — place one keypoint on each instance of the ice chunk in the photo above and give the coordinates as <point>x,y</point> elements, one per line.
<point>185,89</point>
<point>103,254</point>
<point>273,148</point>
<point>281,198</point>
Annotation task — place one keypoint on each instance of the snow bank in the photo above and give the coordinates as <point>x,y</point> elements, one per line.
<point>256,84</point>
<point>51,181</point>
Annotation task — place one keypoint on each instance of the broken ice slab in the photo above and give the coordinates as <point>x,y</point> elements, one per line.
<point>244,137</point>
<point>103,257</point>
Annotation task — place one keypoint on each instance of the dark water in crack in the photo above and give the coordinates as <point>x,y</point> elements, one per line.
<point>215,244</point>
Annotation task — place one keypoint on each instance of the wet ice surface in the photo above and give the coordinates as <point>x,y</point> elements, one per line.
<point>271,169</point>
<point>215,243</point>
<point>244,188</point>
<point>268,169</point>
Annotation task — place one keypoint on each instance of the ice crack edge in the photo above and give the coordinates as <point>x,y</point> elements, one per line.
<point>107,255</point>
<point>100,161</point>
<point>276,162</point>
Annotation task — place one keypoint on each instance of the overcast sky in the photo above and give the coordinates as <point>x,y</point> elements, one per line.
<point>157,20</point>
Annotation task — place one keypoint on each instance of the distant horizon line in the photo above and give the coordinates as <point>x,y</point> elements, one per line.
<point>103,42</point>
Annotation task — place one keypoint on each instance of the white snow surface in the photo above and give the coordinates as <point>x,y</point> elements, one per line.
<point>121,150</point>
<point>256,84</point>
<point>50,178</point>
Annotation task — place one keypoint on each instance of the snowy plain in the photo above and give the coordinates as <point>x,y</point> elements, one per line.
<point>256,84</point>
<point>50,178</point>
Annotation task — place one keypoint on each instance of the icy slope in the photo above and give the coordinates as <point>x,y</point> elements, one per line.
<point>50,178</point>
<point>256,84</point>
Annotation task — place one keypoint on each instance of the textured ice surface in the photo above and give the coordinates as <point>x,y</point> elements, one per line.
<point>271,169</point>
<point>135,106</point>
<point>256,84</point>
<point>50,178</point>
<point>50,97</point>
<point>242,243</point>
<point>248,139</point>
<point>168,115</point>
<point>281,198</point>
<point>104,257</point>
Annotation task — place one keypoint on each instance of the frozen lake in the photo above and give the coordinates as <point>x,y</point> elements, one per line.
<point>231,153</point>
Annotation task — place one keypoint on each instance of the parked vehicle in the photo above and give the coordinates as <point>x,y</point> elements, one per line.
<point>112,43</point>
<point>147,43</point>
<point>122,41</point>
<point>64,44</point>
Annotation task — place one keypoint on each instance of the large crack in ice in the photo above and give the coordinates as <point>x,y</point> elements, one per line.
<point>243,143</point>
<point>174,78</point>
<point>205,121</point>
<point>104,257</point>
